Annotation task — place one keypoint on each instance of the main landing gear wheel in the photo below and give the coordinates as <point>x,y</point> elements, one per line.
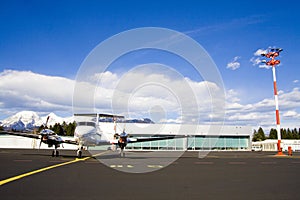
<point>79,154</point>
<point>55,153</point>
<point>122,154</point>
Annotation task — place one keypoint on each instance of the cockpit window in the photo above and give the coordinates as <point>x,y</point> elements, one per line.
<point>47,132</point>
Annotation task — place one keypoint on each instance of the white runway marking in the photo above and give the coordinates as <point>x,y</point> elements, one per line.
<point>155,166</point>
<point>121,166</point>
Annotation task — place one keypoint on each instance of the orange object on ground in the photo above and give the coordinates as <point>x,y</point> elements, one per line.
<point>279,153</point>
<point>290,151</point>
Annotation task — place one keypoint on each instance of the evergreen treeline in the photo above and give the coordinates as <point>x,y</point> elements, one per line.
<point>259,135</point>
<point>62,129</point>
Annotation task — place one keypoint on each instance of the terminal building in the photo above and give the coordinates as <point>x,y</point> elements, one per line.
<point>197,137</point>
<point>189,137</point>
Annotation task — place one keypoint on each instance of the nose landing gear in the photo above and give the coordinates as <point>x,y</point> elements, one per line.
<point>79,152</point>
<point>55,152</point>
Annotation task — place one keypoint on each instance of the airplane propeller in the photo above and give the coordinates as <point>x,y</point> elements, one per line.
<point>47,122</point>
<point>42,135</point>
<point>41,142</point>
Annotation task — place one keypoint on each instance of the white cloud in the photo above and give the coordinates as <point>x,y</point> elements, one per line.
<point>289,100</point>
<point>255,61</point>
<point>262,113</point>
<point>106,79</point>
<point>20,89</point>
<point>258,60</point>
<point>138,92</point>
<point>233,65</point>
<point>231,95</point>
<point>171,121</point>
<point>172,99</point>
<point>258,52</point>
<point>296,81</point>
<point>135,93</point>
<point>291,113</point>
<point>265,66</point>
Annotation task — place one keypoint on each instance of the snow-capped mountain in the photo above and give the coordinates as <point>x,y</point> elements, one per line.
<point>53,118</point>
<point>29,120</point>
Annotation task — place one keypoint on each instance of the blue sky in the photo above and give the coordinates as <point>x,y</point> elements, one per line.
<point>52,39</point>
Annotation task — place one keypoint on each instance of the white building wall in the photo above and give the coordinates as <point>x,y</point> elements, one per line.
<point>8,141</point>
<point>178,129</point>
<point>18,142</point>
<point>271,145</point>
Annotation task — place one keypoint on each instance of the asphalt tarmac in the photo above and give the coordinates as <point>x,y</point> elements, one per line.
<point>34,174</point>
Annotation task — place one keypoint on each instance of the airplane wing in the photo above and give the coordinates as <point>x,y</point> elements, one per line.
<point>154,138</point>
<point>70,142</point>
<point>148,139</point>
<point>36,136</point>
<point>29,135</point>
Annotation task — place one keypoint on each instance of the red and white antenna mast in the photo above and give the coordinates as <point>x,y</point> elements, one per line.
<point>271,55</point>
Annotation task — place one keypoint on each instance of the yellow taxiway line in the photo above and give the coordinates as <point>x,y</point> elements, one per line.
<point>8,180</point>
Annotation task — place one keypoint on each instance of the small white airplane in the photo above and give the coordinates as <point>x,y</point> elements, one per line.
<point>88,133</point>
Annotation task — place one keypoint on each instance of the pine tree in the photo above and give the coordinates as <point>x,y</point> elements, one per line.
<point>289,134</point>
<point>41,128</point>
<point>57,128</point>
<point>254,138</point>
<point>273,134</point>
<point>283,133</point>
<point>259,135</point>
<point>295,134</point>
<point>70,129</point>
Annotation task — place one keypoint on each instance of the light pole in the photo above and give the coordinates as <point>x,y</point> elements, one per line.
<point>271,55</point>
